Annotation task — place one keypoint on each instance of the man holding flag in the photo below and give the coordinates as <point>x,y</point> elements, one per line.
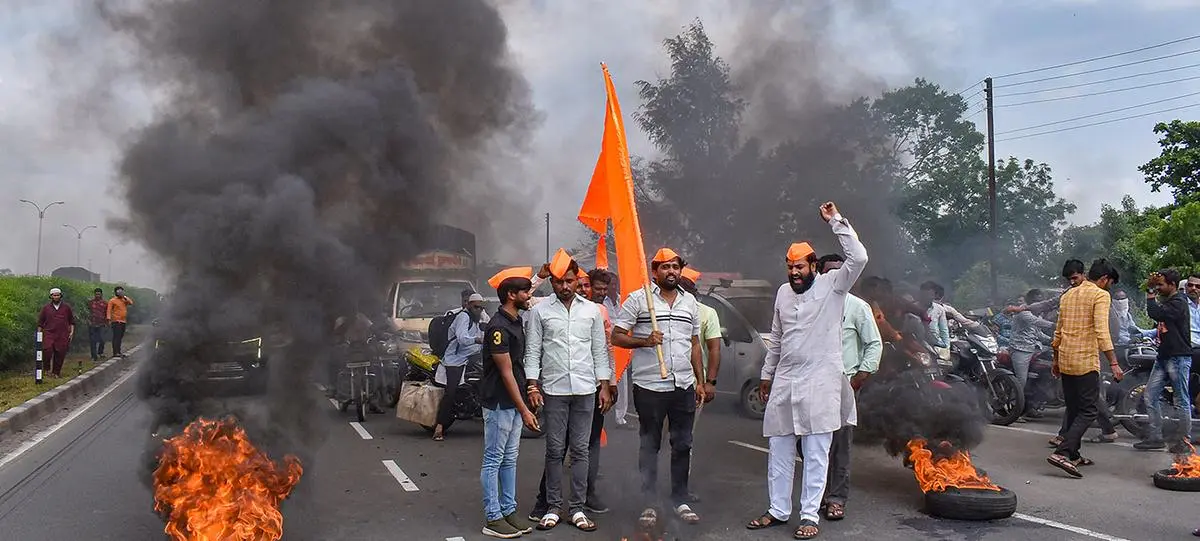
<point>803,381</point>
<point>671,399</point>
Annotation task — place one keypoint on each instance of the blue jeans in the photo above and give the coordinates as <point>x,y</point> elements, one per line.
<point>1176,371</point>
<point>501,442</point>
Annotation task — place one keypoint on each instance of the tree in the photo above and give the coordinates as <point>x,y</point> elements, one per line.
<point>1172,241</point>
<point>1178,166</point>
<point>6,272</point>
<point>944,204</point>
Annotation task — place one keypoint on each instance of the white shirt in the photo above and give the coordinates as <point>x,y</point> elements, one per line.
<point>678,324</point>
<point>566,348</point>
<point>809,390</point>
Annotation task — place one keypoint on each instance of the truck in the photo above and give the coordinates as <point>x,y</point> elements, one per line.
<point>431,283</point>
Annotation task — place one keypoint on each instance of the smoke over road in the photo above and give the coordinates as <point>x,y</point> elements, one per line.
<point>301,150</point>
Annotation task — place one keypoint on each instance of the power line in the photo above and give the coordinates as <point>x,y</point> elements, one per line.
<point>1097,70</point>
<point>1064,121</point>
<point>1099,123</point>
<point>1077,62</point>
<point>1113,91</point>
<point>1134,76</point>
<point>969,87</point>
<point>968,98</point>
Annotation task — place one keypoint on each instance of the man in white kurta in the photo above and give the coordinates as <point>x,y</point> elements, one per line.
<point>807,393</point>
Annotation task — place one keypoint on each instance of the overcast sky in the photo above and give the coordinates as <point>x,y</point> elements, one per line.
<point>47,153</point>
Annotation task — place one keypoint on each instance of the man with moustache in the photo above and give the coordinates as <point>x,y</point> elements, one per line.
<point>659,400</point>
<point>568,352</point>
<point>803,377</point>
<point>504,404</point>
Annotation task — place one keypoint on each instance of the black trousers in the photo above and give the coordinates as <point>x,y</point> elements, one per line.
<point>1081,394</point>
<point>837,489</point>
<point>540,506</point>
<point>96,339</point>
<point>445,414</point>
<point>118,329</point>
<point>677,408</point>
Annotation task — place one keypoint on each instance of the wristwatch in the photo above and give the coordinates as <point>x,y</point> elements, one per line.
<point>712,382</point>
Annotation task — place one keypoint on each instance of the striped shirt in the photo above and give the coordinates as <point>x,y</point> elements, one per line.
<point>678,324</point>
<point>1082,329</point>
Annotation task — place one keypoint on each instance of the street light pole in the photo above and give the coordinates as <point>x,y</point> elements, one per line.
<point>110,251</point>
<point>79,240</point>
<point>41,217</point>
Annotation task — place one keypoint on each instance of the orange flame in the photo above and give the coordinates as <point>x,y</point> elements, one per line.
<point>953,471</point>
<point>213,484</point>
<point>1189,467</point>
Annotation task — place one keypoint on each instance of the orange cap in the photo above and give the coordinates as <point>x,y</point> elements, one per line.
<point>512,272</point>
<point>559,264</point>
<point>581,274</point>
<point>799,252</point>
<point>691,274</point>
<point>664,255</point>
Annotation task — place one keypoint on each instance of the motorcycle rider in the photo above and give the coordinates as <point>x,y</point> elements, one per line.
<point>465,345</point>
<point>939,328</point>
<point>1169,307</point>
<point>1029,335</point>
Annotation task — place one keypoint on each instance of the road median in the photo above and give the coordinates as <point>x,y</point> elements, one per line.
<point>17,418</point>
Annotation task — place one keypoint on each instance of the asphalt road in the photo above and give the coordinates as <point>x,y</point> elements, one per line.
<point>387,480</point>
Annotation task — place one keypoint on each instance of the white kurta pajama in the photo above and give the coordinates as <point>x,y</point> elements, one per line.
<point>810,395</point>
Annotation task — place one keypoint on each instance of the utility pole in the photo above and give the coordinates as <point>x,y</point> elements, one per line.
<point>79,239</point>
<point>991,141</point>
<point>110,251</point>
<point>41,217</point>
<point>547,236</point>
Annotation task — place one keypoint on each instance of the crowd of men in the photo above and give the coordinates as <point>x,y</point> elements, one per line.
<point>558,354</point>
<point>56,325</point>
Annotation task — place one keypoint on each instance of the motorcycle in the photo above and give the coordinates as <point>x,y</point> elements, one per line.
<point>1130,408</point>
<point>973,357</point>
<point>423,367</point>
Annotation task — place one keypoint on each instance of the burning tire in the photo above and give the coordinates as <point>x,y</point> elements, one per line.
<point>971,504</point>
<point>1168,480</point>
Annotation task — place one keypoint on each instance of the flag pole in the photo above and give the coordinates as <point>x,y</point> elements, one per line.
<point>662,364</point>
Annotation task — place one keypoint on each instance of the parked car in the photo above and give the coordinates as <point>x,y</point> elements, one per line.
<point>745,309</point>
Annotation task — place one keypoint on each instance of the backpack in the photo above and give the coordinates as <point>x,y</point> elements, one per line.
<point>439,332</point>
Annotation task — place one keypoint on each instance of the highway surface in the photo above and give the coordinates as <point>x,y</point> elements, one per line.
<point>80,478</point>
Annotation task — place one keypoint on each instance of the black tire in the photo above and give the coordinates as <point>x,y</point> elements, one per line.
<point>1008,408</point>
<point>1166,480</point>
<point>1130,401</point>
<point>393,397</point>
<point>971,504</point>
<point>749,403</point>
<point>360,410</point>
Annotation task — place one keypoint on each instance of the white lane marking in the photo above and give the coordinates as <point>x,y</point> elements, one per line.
<point>757,448</point>
<point>455,539</point>
<point>1067,527</point>
<point>362,432</point>
<point>400,476</point>
<point>41,436</point>
<point>335,404</point>
<point>1052,434</point>
<point>1021,516</point>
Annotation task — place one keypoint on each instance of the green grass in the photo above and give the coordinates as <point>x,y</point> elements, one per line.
<point>17,385</point>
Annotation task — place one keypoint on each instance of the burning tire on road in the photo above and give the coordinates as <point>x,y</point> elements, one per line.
<point>954,488</point>
<point>1182,476</point>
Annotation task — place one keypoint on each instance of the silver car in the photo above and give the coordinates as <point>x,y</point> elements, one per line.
<point>745,308</point>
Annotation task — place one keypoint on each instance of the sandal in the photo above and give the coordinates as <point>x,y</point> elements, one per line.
<point>764,522</point>
<point>686,514</point>
<point>1055,441</point>
<point>1082,461</point>
<point>1065,464</point>
<point>1103,438</point>
<point>807,530</point>
<point>582,522</point>
<point>439,437</point>
<point>835,511</point>
<point>648,519</point>
<point>549,521</point>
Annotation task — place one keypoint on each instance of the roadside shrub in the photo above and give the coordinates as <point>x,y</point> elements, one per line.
<point>22,297</point>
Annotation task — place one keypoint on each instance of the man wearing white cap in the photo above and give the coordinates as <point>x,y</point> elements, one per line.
<point>57,325</point>
<point>466,341</point>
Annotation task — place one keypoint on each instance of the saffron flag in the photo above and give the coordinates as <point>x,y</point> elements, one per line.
<point>610,199</point>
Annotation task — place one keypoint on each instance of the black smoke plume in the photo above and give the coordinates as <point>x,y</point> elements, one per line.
<point>301,150</point>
